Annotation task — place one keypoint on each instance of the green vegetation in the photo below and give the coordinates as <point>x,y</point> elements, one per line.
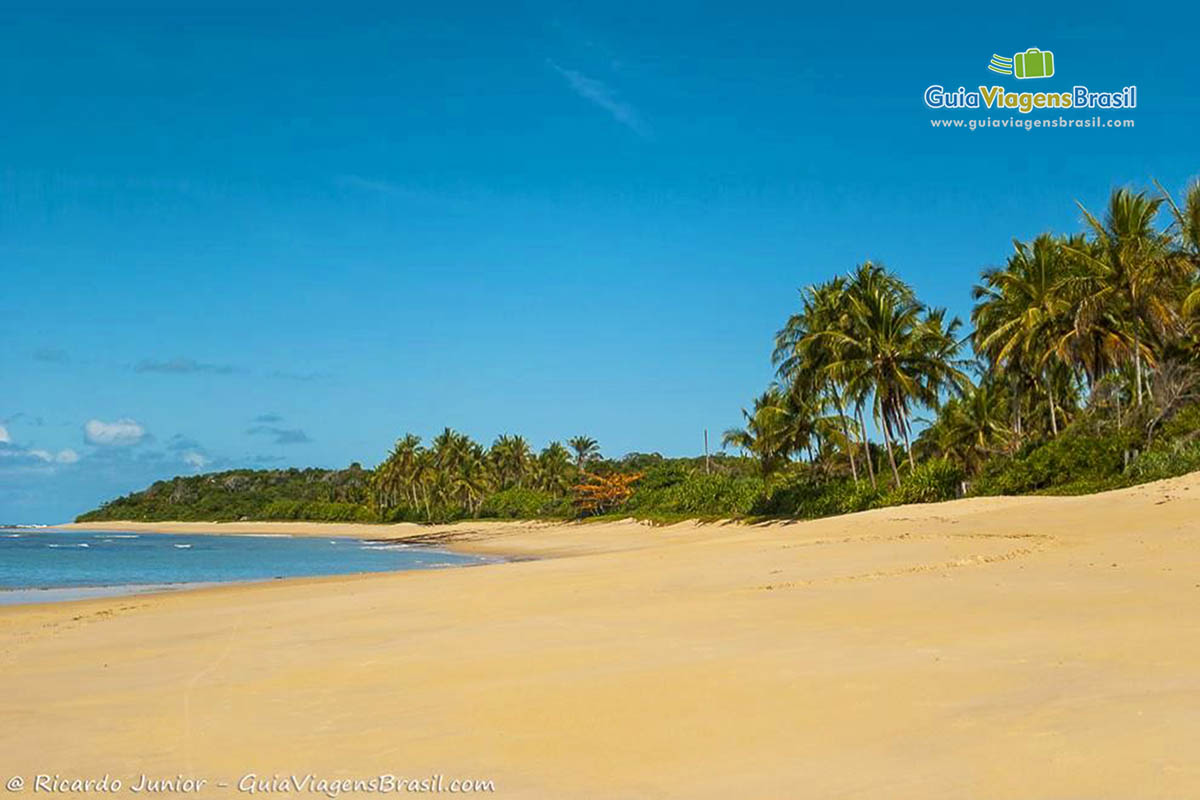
<point>312,494</point>
<point>1082,373</point>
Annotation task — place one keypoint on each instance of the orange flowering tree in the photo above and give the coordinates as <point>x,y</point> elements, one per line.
<point>596,494</point>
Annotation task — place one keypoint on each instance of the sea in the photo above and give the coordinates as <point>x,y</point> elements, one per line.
<point>40,565</point>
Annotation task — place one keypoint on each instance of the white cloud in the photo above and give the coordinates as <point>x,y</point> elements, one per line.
<point>196,460</point>
<point>605,97</point>
<point>67,456</point>
<point>4,437</point>
<point>121,433</point>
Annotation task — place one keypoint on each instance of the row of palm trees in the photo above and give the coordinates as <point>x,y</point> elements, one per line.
<point>455,473</point>
<point>1068,322</point>
<point>1093,314</point>
<point>860,344</point>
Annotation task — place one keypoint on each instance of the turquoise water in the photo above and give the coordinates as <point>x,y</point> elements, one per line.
<point>39,566</point>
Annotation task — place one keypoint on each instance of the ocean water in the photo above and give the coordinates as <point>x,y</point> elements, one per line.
<point>43,565</point>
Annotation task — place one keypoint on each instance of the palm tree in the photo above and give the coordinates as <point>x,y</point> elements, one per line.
<point>895,352</point>
<point>1020,317</point>
<point>586,449</point>
<point>399,474</point>
<point>781,423</point>
<point>764,434</point>
<point>802,356</point>
<point>511,458</point>
<point>553,470</point>
<point>1133,276</point>
<point>969,429</point>
<point>1098,341</point>
<point>1186,228</point>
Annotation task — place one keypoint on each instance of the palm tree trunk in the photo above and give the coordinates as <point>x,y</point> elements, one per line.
<point>862,426</point>
<point>1053,414</point>
<point>912,464</point>
<point>1016,390</point>
<point>887,441</point>
<point>837,398</point>
<point>1137,366</point>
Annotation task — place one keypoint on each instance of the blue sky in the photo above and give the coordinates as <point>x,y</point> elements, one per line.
<point>286,235</point>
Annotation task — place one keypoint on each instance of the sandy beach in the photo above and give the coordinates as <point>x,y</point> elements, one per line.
<point>985,648</point>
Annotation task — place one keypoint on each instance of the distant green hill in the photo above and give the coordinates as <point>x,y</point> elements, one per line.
<point>316,494</point>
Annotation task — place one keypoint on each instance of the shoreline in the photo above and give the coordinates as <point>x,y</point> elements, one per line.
<point>41,595</point>
<point>1006,647</point>
<point>473,537</point>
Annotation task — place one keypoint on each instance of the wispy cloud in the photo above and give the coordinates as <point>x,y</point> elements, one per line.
<point>284,375</point>
<point>268,418</point>
<point>280,435</point>
<point>196,460</point>
<point>374,185</point>
<point>601,94</point>
<point>181,366</point>
<point>15,453</point>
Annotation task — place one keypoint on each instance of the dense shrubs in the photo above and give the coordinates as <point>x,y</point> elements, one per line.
<point>1090,457</point>
<point>1178,459</point>
<point>1082,455</point>
<point>697,495</point>
<point>518,503</point>
<point>931,482</point>
<point>317,511</point>
<point>805,496</point>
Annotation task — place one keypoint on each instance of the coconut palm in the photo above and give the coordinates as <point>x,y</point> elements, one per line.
<point>511,460</point>
<point>586,449</point>
<point>1186,229</point>
<point>1131,274</point>
<point>896,353</point>
<point>1020,317</point>
<point>553,469</point>
<point>969,429</point>
<point>802,356</point>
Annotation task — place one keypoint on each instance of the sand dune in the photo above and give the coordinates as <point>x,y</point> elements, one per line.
<point>985,648</point>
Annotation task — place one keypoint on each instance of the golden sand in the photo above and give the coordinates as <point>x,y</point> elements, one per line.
<point>984,648</point>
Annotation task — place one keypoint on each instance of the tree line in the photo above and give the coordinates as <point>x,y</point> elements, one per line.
<point>1080,371</point>
<point>454,474</point>
<point>1102,322</point>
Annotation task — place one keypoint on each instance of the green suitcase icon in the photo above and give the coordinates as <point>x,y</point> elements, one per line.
<point>1033,63</point>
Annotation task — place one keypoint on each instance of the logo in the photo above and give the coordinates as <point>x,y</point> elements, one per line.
<point>1033,63</point>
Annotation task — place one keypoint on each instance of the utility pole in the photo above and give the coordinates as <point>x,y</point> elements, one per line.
<point>707,461</point>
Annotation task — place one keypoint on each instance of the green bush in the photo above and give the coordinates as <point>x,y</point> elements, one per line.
<point>932,481</point>
<point>317,511</point>
<point>805,496</point>
<point>663,475</point>
<point>707,496</point>
<point>1079,455</point>
<point>1168,461</point>
<point>519,503</point>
